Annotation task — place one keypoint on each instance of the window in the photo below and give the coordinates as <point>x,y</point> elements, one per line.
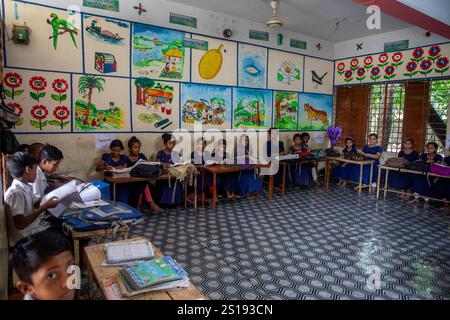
<point>386,108</point>
<point>438,117</point>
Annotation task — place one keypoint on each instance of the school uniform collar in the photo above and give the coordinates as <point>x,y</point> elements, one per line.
<point>27,187</point>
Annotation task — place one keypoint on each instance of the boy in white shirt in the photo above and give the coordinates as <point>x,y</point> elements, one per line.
<point>49,159</point>
<point>26,213</point>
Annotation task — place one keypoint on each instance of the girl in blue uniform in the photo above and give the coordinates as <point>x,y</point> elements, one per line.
<point>225,182</point>
<point>373,152</point>
<point>403,181</point>
<point>441,187</point>
<point>304,174</point>
<point>272,145</point>
<point>249,182</point>
<point>421,184</point>
<point>344,171</point>
<point>198,157</point>
<point>137,189</point>
<point>171,191</point>
<point>115,160</point>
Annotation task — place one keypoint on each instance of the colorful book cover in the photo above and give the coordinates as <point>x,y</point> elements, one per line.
<point>152,272</point>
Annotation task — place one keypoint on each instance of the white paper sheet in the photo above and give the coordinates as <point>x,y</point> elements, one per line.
<point>67,193</point>
<point>102,141</point>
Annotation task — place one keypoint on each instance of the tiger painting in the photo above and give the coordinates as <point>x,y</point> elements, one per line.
<point>316,115</point>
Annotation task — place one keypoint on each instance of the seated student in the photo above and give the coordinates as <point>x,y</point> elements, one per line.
<point>225,182</point>
<point>303,173</point>
<point>171,192</point>
<point>440,188</point>
<point>41,262</point>
<point>115,160</point>
<point>271,144</point>
<point>344,170</point>
<point>198,157</point>
<point>24,148</point>
<point>49,160</point>
<point>35,149</point>
<point>372,151</point>
<point>25,214</point>
<point>421,186</point>
<point>137,189</point>
<point>403,181</point>
<point>249,181</point>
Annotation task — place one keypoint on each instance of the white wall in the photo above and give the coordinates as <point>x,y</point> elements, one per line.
<point>208,23</point>
<point>375,43</point>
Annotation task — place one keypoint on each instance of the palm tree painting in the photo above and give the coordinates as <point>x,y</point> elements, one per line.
<point>253,108</point>
<point>86,85</point>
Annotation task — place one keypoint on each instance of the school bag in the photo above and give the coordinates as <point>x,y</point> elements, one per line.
<point>356,156</point>
<point>396,162</point>
<point>113,215</point>
<point>332,152</point>
<point>146,171</point>
<point>8,116</point>
<point>104,188</point>
<point>8,142</point>
<point>420,166</point>
<point>440,169</point>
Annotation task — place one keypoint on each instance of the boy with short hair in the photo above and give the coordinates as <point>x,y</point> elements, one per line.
<point>26,214</point>
<point>35,150</point>
<point>41,262</point>
<point>49,160</point>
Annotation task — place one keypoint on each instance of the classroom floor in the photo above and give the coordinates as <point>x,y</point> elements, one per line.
<point>312,244</point>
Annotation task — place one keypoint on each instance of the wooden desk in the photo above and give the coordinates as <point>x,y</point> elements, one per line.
<point>402,170</point>
<point>92,234</point>
<point>286,163</point>
<point>361,168</point>
<point>216,169</point>
<point>118,180</point>
<point>96,255</point>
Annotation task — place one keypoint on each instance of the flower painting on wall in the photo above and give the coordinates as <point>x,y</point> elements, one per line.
<point>41,99</point>
<point>285,71</point>
<point>418,63</point>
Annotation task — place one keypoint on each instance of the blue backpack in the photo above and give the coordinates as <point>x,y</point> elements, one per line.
<point>108,216</point>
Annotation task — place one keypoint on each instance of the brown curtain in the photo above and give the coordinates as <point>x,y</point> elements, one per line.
<point>417,97</point>
<point>352,108</point>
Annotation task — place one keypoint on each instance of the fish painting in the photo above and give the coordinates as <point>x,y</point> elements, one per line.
<point>252,66</point>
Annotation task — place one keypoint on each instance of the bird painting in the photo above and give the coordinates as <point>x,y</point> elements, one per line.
<point>60,27</point>
<point>316,79</point>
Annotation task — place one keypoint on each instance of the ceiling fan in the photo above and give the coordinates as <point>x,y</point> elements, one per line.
<point>274,22</point>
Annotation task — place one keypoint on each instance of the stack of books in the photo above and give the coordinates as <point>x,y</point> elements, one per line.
<point>151,275</point>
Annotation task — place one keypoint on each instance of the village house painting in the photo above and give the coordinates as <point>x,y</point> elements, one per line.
<point>159,53</point>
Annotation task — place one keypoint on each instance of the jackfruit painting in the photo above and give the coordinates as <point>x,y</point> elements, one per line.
<point>159,53</point>
<point>217,65</point>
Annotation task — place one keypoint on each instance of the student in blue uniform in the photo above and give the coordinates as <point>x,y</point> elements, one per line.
<point>373,152</point>
<point>440,188</point>
<point>249,182</point>
<point>226,183</point>
<point>171,192</point>
<point>272,145</point>
<point>303,174</point>
<point>115,160</point>
<point>198,157</point>
<point>421,184</point>
<point>403,181</point>
<point>137,189</point>
<point>344,170</point>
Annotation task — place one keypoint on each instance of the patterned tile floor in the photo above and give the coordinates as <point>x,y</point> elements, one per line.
<point>312,244</point>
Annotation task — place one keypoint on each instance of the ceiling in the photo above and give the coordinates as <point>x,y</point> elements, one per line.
<point>316,18</point>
